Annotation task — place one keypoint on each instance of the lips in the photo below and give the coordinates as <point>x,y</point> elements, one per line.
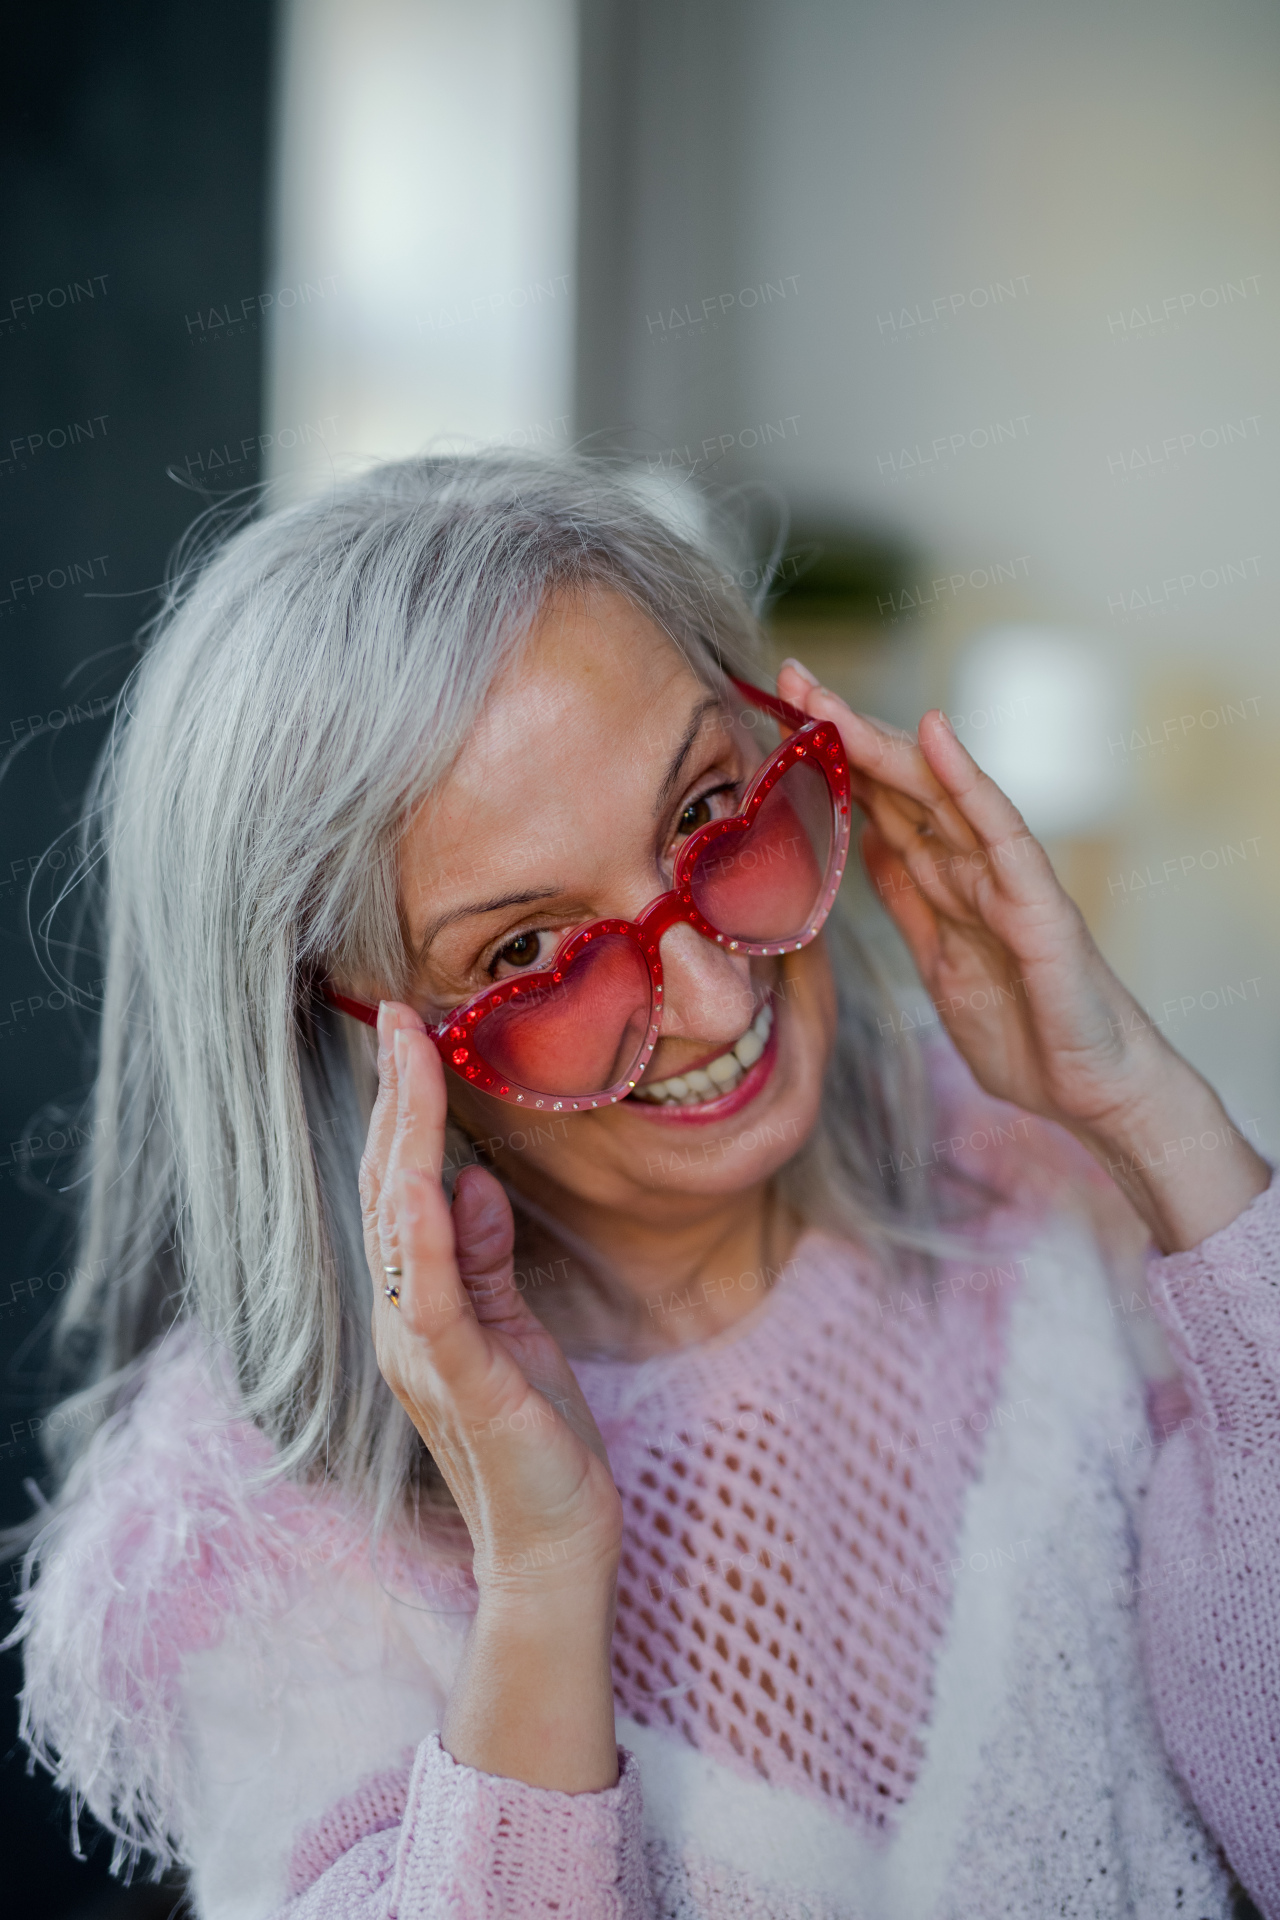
<point>716,1077</point>
<point>692,1107</point>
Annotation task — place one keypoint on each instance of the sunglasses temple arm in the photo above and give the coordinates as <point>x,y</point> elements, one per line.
<point>780,709</point>
<point>362,1010</point>
<point>357,1009</point>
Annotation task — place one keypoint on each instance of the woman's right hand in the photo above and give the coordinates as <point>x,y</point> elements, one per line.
<point>499,1409</point>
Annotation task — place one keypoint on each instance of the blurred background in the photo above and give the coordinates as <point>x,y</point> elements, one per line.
<point>971,306</point>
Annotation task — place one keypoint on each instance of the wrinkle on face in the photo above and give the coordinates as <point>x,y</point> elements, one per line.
<point>550,808</point>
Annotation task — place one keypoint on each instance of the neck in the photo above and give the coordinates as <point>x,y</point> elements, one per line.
<point>672,1282</point>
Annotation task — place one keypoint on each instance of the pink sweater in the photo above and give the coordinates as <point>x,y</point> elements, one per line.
<point>917,1618</point>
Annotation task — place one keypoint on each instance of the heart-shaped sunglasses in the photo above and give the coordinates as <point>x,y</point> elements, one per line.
<point>580,1031</point>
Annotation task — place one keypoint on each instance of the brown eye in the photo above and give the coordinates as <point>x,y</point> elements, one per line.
<point>520,952</point>
<point>697,814</point>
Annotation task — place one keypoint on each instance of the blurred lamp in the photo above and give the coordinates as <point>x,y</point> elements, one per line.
<point>1045,713</point>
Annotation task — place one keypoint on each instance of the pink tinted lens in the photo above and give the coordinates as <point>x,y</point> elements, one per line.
<point>766,884</point>
<point>576,1036</point>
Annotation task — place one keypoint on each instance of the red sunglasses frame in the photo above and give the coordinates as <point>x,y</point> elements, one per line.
<point>816,742</point>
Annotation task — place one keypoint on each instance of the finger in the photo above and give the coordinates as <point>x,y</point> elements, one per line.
<point>446,1369</point>
<point>417,1141</point>
<point>884,755</point>
<point>433,1320</point>
<point>392,1015</point>
<point>982,802</point>
<point>799,686</point>
<point>943,873</point>
<point>902,900</point>
<point>795,683</point>
<point>422,1105</point>
<point>1019,864</point>
<point>484,1231</point>
<point>885,752</point>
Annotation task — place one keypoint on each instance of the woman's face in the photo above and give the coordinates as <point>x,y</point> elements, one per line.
<point>596,755</point>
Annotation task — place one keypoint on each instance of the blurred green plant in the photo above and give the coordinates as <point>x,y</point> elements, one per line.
<point>831,571</point>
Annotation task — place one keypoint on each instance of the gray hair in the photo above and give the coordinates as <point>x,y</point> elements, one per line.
<point>307,682</point>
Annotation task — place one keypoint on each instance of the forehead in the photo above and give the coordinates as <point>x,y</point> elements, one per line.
<point>594,707</point>
<point>593,660</point>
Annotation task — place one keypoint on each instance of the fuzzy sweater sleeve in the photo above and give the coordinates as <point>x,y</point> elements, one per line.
<point>219,1671</point>
<point>469,1844</point>
<point>1209,1581</point>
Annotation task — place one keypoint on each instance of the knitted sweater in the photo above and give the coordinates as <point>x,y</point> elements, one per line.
<point>917,1619</point>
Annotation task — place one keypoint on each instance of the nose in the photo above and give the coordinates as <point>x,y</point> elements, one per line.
<point>707,993</point>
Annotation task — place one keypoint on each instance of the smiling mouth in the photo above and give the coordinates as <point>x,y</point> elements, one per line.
<point>714,1078</point>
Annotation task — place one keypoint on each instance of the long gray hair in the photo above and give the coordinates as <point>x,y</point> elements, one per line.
<point>305,686</point>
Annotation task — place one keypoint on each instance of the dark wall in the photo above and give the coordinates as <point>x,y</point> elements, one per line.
<point>133,156</point>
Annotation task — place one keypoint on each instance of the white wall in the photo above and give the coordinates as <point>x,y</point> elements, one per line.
<point>852,164</point>
<point>793,182</point>
<point>1096,160</point>
<point>425,181</point>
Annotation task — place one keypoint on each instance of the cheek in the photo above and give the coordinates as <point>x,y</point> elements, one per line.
<point>809,993</point>
<point>531,1145</point>
<point>597,1155</point>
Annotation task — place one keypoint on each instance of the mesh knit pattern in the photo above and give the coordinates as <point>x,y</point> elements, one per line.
<point>784,1582</point>
<point>794,1493</point>
<point>374,1806</point>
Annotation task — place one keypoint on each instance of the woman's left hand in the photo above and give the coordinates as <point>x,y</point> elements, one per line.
<point>1009,964</point>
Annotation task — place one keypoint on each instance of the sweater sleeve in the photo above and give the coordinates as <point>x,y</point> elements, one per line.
<point>1209,1580</point>
<point>470,1844</point>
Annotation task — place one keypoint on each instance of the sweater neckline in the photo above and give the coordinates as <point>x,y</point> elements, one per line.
<point>616,1387</point>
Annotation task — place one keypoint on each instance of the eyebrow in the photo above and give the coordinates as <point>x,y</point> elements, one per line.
<point>694,728</point>
<point>696,720</point>
<point>483,906</point>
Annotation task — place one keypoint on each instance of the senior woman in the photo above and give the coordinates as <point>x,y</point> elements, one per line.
<point>695,1462</point>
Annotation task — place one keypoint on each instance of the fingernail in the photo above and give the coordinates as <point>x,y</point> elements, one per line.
<point>401,1049</point>
<point>946,723</point>
<point>799,667</point>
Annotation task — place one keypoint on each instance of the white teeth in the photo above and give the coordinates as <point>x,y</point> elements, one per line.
<point>717,1077</point>
<point>749,1049</point>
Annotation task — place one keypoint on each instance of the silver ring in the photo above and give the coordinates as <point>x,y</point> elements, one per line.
<point>395,1272</point>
